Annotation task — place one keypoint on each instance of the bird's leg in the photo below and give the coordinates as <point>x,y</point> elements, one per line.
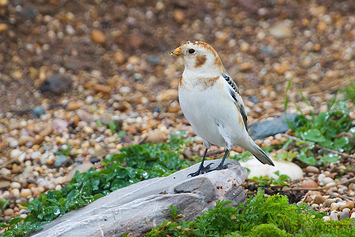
<point>221,165</point>
<point>202,169</point>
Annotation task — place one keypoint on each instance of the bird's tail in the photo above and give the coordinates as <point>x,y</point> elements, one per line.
<point>259,153</point>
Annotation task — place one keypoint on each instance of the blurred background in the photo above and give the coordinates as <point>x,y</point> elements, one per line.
<point>52,50</point>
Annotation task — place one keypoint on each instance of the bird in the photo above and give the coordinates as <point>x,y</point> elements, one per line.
<point>211,102</point>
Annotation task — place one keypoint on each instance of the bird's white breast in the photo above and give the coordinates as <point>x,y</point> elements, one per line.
<point>211,112</point>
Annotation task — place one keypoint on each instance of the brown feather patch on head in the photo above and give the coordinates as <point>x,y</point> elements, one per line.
<point>218,62</point>
<point>200,60</point>
<point>206,46</point>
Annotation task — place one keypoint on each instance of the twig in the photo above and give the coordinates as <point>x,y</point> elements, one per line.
<point>319,147</point>
<point>321,188</point>
<point>7,163</point>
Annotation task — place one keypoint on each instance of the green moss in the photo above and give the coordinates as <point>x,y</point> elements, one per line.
<point>262,216</point>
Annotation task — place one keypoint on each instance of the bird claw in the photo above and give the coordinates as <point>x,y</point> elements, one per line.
<point>221,167</point>
<point>202,170</point>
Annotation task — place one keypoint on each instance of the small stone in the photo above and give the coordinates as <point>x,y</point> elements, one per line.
<point>281,30</point>
<point>328,202</point>
<point>153,60</point>
<point>319,200</point>
<point>321,27</point>
<point>3,27</point>
<point>59,125</point>
<point>15,192</point>
<point>46,132</point>
<point>244,47</point>
<point>312,169</point>
<point>4,3</point>
<point>102,88</point>
<point>24,139</point>
<point>87,129</point>
<point>16,169</point>
<point>155,137</point>
<point>245,66</point>
<point>36,155</point>
<point>4,184</point>
<point>38,111</point>
<point>25,192</point>
<point>15,153</point>
<point>95,160</point>
<point>85,116</point>
<point>15,185</point>
<point>349,204</point>
<point>125,90</point>
<point>327,180</point>
<point>74,105</point>
<point>120,106</point>
<point>13,143</point>
<point>14,125</point>
<point>316,47</point>
<point>119,58</point>
<point>81,168</point>
<point>334,216</point>
<point>309,183</point>
<point>345,214</point>
<point>179,15</point>
<point>135,41</point>
<point>61,159</point>
<point>8,212</point>
<point>165,95</point>
<point>57,84</point>
<point>98,37</point>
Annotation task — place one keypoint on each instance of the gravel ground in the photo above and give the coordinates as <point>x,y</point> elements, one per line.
<point>66,64</point>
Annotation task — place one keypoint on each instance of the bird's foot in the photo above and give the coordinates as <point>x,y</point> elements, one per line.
<point>221,167</point>
<point>202,170</point>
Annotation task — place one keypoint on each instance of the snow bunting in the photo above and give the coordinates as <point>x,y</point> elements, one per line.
<point>211,102</point>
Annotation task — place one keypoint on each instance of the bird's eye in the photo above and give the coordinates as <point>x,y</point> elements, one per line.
<point>191,50</point>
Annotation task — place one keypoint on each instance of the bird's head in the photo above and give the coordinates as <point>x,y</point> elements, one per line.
<point>199,56</point>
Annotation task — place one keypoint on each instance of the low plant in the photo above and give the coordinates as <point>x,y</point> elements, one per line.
<point>282,180</point>
<point>332,130</point>
<point>134,164</point>
<point>261,216</point>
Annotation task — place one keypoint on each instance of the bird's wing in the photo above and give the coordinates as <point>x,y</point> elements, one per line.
<point>238,101</point>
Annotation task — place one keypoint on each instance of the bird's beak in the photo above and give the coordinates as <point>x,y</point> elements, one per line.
<point>177,51</point>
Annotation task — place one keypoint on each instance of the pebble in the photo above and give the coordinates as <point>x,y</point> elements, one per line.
<point>59,125</point>
<point>281,30</point>
<point>328,202</point>
<point>102,88</point>
<point>15,153</point>
<point>119,58</point>
<point>74,105</point>
<point>15,192</point>
<point>13,143</point>
<point>81,168</point>
<point>15,185</point>
<point>312,169</point>
<point>3,27</point>
<point>38,111</point>
<point>345,214</point>
<point>25,192</point>
<point>155,137</point>
<point>9,212</point>
<point>25,139</point>
<point>319,200</point>
<point>334,216</point>
<point>98,37</point>
<point>327,180</point>
<point>36,155</point>
<point>309,183</point>
<point>61,159</point>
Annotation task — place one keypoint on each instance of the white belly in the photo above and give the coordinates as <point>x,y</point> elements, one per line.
<point>213,115</point>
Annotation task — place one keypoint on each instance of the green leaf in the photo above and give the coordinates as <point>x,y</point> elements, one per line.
<point>313,135</point>
<point>15,220</point>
